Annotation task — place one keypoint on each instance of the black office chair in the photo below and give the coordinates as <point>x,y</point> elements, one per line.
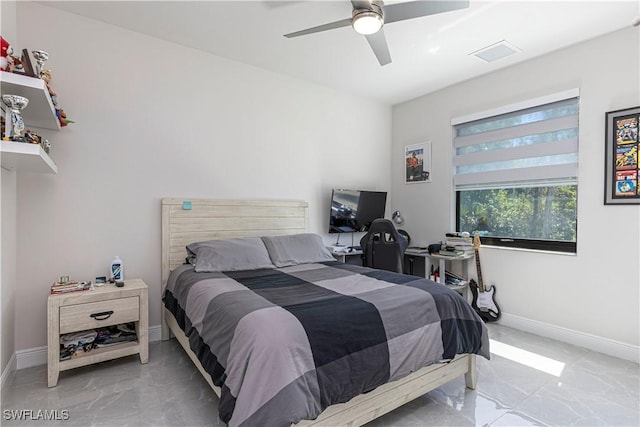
<point>383,246</point>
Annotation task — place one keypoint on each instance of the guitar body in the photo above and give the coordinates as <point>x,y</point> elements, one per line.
<point>484,301</point>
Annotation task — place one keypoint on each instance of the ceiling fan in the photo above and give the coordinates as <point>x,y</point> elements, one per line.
<point>369,16</point>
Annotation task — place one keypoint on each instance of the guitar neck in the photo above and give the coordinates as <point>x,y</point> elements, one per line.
<point>479,270</point>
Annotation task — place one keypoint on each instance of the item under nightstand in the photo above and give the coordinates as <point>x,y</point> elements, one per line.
<point>104,306</point>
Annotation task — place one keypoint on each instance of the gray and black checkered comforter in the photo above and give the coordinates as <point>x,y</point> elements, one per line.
<point>284,344</point>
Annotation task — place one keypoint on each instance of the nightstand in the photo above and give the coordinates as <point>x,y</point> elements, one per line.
<point>106,305</point>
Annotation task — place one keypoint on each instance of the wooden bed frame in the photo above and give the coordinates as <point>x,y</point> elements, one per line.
<point>190,220</point>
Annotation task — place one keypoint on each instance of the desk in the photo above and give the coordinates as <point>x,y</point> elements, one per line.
<point>442,267</point>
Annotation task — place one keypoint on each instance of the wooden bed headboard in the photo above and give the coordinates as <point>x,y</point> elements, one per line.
<point>186,221</point>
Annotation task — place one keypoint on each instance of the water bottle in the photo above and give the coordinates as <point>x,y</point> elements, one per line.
<point>116,271</point>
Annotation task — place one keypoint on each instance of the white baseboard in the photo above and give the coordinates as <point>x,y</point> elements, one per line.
<point>154,333</point>
<point>38,356</point>
<point>592,342</point>
<point>8,373</point>
<point>31,357</point>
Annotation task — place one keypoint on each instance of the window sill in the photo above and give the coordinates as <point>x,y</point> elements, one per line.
<point>538,251</point>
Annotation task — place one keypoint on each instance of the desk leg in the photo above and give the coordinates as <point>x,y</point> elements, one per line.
<point>442,270</point>
<point>340,257</point>
<point>412,261</point>
<point>465,275</point>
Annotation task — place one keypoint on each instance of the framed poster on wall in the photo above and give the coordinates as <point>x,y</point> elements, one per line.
<point>622,173</point>
<point>417,161</point>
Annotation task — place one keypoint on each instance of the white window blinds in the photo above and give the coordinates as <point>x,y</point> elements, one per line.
<point>533,146</point>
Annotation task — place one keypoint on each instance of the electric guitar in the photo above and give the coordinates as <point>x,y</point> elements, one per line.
<point>484,302</point>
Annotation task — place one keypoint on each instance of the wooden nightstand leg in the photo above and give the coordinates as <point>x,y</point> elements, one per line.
<point>143,326</point>
<point>143,342</point>
<point>53,343</point>
<point>52,378</point>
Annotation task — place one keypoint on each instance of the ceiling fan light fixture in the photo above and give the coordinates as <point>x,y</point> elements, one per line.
<point>367,22</point>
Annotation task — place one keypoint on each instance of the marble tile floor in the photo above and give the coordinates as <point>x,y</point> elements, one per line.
<point>530,381</point>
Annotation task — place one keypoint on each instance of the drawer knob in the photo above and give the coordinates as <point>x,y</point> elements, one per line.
<point>102,316</point>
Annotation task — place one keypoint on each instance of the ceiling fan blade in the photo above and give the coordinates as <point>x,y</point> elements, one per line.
<point>378,43</point>
<point>415,9</point>
<point>331,26</point>
<point>361,4</point>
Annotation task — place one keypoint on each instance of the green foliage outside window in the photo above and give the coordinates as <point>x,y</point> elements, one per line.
<point>541,213</point>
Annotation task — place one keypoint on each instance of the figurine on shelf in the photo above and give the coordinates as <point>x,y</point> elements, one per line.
<point>32,137</point>
<point>8,61</point>
<point>62,116</point>
<point>6,58</point>
<point>46,76</point>
<point>17,66</point>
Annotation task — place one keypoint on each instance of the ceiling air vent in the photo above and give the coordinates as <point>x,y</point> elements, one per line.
<point>496,51</point>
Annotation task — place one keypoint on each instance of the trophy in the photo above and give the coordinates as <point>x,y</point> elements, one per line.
<point>40,56</point>
<point>14,125</point>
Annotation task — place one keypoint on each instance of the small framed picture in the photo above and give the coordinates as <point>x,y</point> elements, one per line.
<point>622,173</point>
<point>417,163</point>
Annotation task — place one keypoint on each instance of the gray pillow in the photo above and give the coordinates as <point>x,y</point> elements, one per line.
<point>230,255</point>
<point>296,249</point>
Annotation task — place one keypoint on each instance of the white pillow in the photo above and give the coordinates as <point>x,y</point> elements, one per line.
<point>230,255</point>
<point>296,249</point>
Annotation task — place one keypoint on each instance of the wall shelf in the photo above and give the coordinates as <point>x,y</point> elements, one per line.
<point>40,113</point>
<point>26,157</point>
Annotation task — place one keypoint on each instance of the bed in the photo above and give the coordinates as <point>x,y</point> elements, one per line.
<point>307,380</point>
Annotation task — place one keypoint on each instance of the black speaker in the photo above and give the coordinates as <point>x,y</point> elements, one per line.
<point>434,248</point>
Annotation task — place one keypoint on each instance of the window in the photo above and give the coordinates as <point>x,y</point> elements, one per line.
<point>515,174</point>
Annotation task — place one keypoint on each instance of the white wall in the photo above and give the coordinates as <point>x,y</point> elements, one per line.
<point>596,292</point>
<point>8,222</point>
<point>8,250</point>
<point>156,120</point>
<point>153,120</point>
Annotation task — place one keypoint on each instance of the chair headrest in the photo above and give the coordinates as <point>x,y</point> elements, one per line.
<point>383,226</point>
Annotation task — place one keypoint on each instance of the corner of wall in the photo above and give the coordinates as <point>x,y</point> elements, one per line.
<point>8,249</point>
<point>9,26</point>
<point>7,374</point>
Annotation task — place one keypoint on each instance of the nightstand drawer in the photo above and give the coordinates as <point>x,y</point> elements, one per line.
<point>99,314</point>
